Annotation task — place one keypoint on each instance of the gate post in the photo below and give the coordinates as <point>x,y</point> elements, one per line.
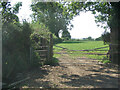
<point>50,48</point>
<point>115,34</point>
<point>31,51</point>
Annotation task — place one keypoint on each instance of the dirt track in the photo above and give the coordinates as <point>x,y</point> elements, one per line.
<point>73,73</point>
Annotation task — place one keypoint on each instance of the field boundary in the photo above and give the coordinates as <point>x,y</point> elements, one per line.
<point>95,49</point>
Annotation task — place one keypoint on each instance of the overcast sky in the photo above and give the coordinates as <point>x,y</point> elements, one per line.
<point>84,25</point>
<point>24,12</point>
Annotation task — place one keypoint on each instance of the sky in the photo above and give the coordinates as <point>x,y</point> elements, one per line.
<point>25,10</point>
<point>84,24</point>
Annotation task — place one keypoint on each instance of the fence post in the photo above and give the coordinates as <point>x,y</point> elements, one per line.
<point>30,55</point>
<point>50,49</point>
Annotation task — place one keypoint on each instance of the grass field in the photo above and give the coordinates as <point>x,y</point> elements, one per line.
<point>83,45</point>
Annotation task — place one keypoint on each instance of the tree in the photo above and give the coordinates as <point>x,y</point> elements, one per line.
<point>15,42</point>
<point>89,38</point>
<point>52,15</point>
<point>106,37</point>
<point>66,35</point>
<point>99,39</point>
<point>115,30</point>
<point>9,13</point>
<point>105,12</point>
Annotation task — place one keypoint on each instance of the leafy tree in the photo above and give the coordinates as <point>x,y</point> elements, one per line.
<point>90,38</point>
<point>106,37</point>
<point>52,15</point>
<point>66,35</point>
<point>99,39</point>
<point>15,42</point>
<point>9,13</point>
<point>39,31</point>
<point>16,49</point>
<point>107,13</point>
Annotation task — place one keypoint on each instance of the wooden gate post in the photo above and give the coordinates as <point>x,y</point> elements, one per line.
<point>50,48</point>
<point>31,51</point>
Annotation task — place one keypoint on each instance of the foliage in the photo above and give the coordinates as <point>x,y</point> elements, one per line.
<point>106,37</point>
<point>40,37</point>
<point>39,31</point>
<point>66,35</point>
<point>35,59</point>
<point>56,39</point>
<point>99,39</point>
<point>105,60</point>
<point>52,62</point>
<point>107,15</point>
<point>16,46</point>
<point>9,13</point>
<point>52,15</point>
<point>16,42</point>
<point>88,38</point>
<point>102,11</point>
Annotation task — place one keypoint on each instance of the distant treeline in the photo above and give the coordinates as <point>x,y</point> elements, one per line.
<point>105,37</point>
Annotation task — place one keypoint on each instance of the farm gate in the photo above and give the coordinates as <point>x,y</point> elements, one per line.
<point>45,49</point>
<point>84,52</point>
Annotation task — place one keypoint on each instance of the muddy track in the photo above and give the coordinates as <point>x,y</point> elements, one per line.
<point>73,73</point>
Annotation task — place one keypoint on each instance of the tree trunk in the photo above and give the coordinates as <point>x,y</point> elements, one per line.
<point>115,33</point>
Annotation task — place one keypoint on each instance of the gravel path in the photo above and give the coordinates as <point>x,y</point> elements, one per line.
<point>73,73</point>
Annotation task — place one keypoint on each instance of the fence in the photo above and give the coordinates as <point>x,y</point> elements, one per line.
<point>88,52</point>
<point>45,50</point>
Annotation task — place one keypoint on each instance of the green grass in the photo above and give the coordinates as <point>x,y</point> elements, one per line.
<point>56,49</point>
<point>83,45</point>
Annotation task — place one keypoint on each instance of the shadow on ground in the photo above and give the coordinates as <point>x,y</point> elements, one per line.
<point>104,71</point>
<point>96,80</point>
<point>101,78</point>
<point>36,76</point>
